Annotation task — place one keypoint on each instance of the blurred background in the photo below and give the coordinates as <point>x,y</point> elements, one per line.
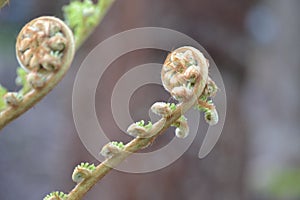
<point>255,45</point>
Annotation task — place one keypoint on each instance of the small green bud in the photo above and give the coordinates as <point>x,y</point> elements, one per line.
<point>82,171</point>
<point>13,98</point>
<point>211,117</point>
<point>36,80</point>
<point>111,149</point>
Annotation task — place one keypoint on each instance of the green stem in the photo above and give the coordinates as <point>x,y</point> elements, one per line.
<point>103,6</point>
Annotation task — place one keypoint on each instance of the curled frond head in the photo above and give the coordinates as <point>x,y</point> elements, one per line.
<point>44,45</point>
<point>185,73</point>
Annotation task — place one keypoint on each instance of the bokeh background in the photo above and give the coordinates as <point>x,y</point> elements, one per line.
<point>255,45</point>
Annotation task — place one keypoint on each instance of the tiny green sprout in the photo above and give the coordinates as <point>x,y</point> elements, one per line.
<point>178,122</point>
<point>57,54</point>
<point>203,98</point>
<point>149,125</point>
<point>210,102</point>
<point>163,109</point>
<point>205,106</point>
<point>191,84</point>
<point>111,149</point>
<point>82,171</point>
<point>140,123</point>
<point>118,144</point>
<point>56,196</point>
<point>172,106</point>
<point>202,109</point>
<point>183,118</point>
<point>87,166</point>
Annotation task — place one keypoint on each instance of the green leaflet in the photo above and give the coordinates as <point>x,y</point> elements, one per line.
<point>3,91</point>
<point>87,166</point>
<point>81,17</point>
<point>118,144</point>
<point>142,124</point>
<point>21,80</point>
<point>172,106</point>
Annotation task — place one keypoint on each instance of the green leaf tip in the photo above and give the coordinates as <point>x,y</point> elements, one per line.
<point>21,80</point>
<point>87,166</point>
<point>183,118</point>
<point>118,144</point>
<point>142,124</point>
<point>178,122</point>
<point>81,16</point>
<point>3,91</point>
<point>112,148</point>
<point>172,106</point>
<point>149,125</point>
<point>56,196</point>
